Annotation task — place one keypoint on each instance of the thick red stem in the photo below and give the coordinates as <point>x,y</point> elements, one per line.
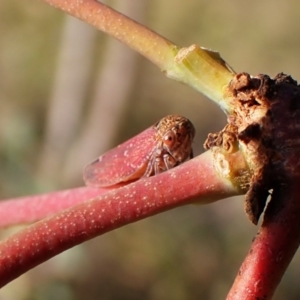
<point>133,202</point>
<point>273,248</point>
<point>36,207</point>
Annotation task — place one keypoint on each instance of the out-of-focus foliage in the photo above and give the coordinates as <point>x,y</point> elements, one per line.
<point>188,253</point>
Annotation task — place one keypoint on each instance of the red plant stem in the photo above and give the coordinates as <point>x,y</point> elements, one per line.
<point>141,39</point>
<point>273,248</point>
<point>121,206</point>
<point>203,70</point>
<point>33,208</point>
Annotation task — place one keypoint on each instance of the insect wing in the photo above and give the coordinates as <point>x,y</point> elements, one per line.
<point>126,162</point>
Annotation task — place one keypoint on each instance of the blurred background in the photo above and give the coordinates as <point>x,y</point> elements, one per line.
<point>68,93</point>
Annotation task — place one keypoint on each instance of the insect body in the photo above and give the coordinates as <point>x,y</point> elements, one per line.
<point>161,147</point>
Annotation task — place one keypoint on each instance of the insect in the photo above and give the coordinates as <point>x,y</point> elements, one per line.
<point>161,147</point>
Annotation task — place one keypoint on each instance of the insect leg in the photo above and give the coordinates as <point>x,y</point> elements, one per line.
<point>156,165</point>
<point>150,166</point>
<point>169,161</point>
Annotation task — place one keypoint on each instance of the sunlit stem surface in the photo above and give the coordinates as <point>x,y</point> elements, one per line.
<point>202,69</point>
<point>195,180</point>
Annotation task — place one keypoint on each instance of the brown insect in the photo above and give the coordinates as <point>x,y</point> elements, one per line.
<point>161,147</point>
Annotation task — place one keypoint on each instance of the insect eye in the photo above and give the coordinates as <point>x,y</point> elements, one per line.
<point>169,139</point>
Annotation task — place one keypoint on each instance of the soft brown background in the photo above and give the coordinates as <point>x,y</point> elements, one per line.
<point>69,93</point>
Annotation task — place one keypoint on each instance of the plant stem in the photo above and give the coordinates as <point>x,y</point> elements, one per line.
<point>273,248</point>
<point>33,208</point>
<point>202,69</point>
<point>143,198</point>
